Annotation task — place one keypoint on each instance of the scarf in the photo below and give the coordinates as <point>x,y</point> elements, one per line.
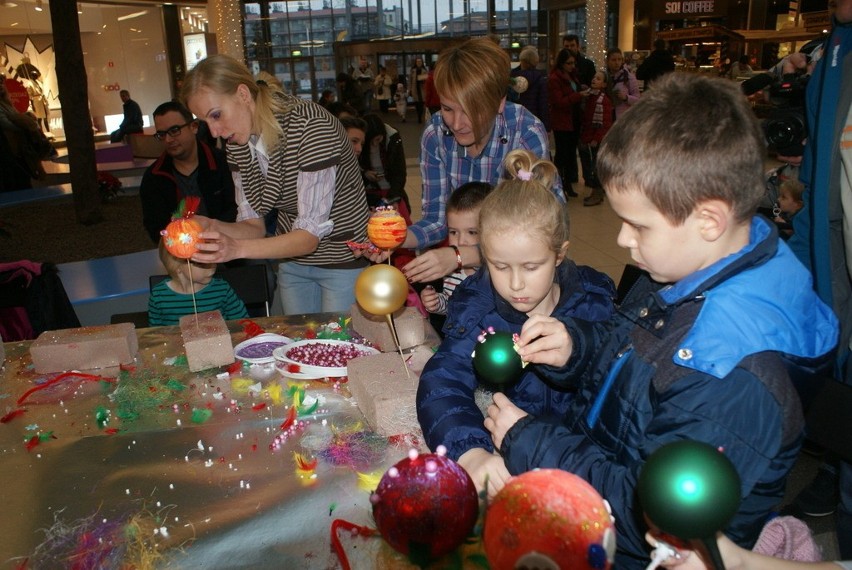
<point>597,117</point>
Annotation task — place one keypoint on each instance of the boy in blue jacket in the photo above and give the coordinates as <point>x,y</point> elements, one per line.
<point>709,348</point>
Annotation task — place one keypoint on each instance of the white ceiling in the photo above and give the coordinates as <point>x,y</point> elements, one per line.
<point>19,17</point>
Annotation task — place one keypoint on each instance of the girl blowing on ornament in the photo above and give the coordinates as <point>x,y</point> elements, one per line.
<point>523,233</point>
<point>462,229</point>
<point>172,298</point>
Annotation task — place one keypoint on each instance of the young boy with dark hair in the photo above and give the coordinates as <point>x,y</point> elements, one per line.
<point>709,348</point>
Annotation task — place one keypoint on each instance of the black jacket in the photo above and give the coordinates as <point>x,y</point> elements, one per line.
<point>659,62</point>
<point>160,193</point>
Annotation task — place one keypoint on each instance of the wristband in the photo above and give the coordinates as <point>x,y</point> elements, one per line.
<point>458,258</point>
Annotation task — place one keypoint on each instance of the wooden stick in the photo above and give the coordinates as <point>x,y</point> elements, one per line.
<point>398,347</point>
<point>192,290</point>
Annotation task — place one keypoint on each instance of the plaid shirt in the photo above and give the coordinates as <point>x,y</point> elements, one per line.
<point>444,165</point>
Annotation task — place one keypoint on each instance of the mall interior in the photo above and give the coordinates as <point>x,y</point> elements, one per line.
<point>147,47</point>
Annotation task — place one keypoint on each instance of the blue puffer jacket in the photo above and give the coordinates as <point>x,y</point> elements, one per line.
<point>445,397</point>
<point>713,358</point>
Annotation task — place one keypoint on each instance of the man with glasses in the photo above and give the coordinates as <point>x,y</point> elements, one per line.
<point>187,167</point>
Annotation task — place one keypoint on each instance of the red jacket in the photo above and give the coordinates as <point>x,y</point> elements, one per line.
<point>588,132</point>
<point>564,101</point>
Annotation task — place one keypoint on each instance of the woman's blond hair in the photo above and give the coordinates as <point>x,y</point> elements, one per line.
<point>223,74</point>
<point>476,74</point>
<point>526,201</point>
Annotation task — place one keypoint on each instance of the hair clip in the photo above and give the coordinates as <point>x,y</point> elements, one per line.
<point>524,175</point>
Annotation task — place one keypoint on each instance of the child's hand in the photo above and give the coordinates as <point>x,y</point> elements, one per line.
<point>544,340</point>
<point>429,297</point>
<point>502,415</point>
<point>484,466</point>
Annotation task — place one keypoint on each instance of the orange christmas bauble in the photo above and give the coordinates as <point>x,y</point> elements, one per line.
<point>386,228</point>
<point>548,518</point>
<point>181,237</point>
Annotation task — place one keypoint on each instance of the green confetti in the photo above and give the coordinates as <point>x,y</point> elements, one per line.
<point>331,508</point>
<point>101,416</point>
<point>201,415</point>
<point>46,436</point>
<point>175,385</point>
<point>303,411</point>
<point>181,360</point>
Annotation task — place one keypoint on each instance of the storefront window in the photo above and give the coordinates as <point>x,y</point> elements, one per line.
<point>123,48</point>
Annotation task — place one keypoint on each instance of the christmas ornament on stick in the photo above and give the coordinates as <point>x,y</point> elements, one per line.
<point>386,228</point>
<point>381,290</point>
<point>690,490</point>
<point>181,236</point>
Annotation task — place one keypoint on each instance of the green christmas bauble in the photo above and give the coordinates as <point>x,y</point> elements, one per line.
<point>689,489</point>
<point>496,361</point>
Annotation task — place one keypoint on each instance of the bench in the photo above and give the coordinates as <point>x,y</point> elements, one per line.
<point>98,288</point>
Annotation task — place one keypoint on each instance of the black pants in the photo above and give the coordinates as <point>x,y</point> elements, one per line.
<point>565,158</point>
<point>383,105</point>
<point>589,160</point>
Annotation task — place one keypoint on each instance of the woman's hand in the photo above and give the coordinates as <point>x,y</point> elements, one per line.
<point>371,176</point>
<point>502,415</point>
<point>431,265</point>
<point>545,340</point>
<point>216,247</point>
<point>487,470</point>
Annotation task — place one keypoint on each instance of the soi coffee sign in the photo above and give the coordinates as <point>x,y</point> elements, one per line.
<point>18,94</point>
<point>690,9</point>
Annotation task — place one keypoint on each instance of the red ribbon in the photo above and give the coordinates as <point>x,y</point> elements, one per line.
<point>355,530</point>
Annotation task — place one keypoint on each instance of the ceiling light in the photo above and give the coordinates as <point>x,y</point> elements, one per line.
<point>131,16</point>
<point>38,6</point>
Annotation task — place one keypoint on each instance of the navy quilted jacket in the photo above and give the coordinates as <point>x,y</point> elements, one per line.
<point>446,408</point>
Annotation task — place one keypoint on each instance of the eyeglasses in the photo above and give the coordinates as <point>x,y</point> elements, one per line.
<point>171,131</point>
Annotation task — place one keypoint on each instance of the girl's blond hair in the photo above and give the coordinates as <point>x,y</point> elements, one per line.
<point>526,201</point>
<point>223,74</point>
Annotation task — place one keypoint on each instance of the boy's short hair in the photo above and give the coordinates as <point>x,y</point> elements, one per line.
<point>468,196</point>
<point>688,140</point>
<point>354,123</point>
<point>174,106</point>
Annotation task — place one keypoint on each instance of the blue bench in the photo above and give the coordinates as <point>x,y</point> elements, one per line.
<point>99,288</point>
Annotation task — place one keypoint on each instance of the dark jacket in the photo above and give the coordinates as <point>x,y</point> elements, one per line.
<point>535,97</point>
<point>160,193</point>
<point>393,161</point>
<point>659,62</point>
<point>712,358</point>
<point>132,122</point>
<point>564,99</point>
<point>585,69</point>
<point>446,408</point>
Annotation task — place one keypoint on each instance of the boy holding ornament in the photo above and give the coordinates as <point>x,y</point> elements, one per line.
<point>190,290</point>
<point>707,346</point>
<point>523,233</point>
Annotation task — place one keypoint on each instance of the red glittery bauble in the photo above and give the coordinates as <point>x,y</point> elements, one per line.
<point>425,506</point>
<point>386,228</point>
<point>181,237</point>
<point>548,518</point>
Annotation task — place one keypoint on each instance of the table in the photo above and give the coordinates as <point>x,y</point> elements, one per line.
<point>220,493</point>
